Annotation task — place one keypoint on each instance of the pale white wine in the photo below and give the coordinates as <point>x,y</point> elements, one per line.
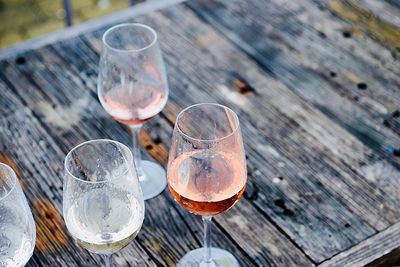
<point>16,243</point>
<point>105,223</point>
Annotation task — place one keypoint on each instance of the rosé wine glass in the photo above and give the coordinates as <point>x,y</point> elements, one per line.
<point>132,88</point>
<point>207,172</point>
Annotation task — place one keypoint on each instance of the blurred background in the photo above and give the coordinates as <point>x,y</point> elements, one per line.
<point>25,19</point>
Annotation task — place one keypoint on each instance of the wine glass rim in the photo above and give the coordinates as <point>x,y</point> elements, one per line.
<point>207,140</point>
<point>130,161</point>
<point>140,25</point>
<point>14,179</point>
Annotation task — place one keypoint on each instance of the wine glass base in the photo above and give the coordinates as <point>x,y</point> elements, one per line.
<point>195,258</point>
<point>154,182</point>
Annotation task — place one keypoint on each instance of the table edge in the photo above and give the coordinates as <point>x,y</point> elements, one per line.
<point>370,250</point>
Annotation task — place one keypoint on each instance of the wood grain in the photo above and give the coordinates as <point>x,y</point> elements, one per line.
<point>50,229</point>
<point>369,250</point>
<point>290,58</point>
<point>319,113</point>
<point>381,30</point>
<point>165,254</point>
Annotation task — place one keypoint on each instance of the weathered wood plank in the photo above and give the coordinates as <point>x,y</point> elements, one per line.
<point>348,57</point>
<point>160,152</point>
<point>206,83</point>
<point>66,111</point>
<point>172,111</point>
<point>384,10</point>
<point>96,44</point>
<point>369,250</point>
<point>284,62</point>
<point>314,181</point>
<point>8,101</point>
<point>381,30</point>
<point>40,165</point>
<point>46,55</point>
<point>262,261</point>
<point>351,149</point>
<point>74,124</point>
<point>201,80</point>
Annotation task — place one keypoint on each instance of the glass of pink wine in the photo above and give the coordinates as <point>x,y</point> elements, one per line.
<point>207,172</point>
<point>132,88</point>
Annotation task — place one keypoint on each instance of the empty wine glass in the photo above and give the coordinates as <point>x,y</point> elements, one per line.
<point>207,171</point>
<point>103,204</point>
<point>132,88</point>
<point>17,227</point>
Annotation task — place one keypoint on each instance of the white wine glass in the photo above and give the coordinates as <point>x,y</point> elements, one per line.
<point>132,87</point>
<point>207,172</point>
<point>17,227</point>
<point>103,204</point>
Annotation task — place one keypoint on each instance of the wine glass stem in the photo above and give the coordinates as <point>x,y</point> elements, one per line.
<point>207,239</point>
<point>136,150</point>
<point>107,259</point>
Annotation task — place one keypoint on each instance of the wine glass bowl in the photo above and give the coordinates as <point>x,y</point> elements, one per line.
<point>132,82</point>
<point>17,227</point>
<point>103,204</point>
<point>207,170</point>
<point>132,88</point>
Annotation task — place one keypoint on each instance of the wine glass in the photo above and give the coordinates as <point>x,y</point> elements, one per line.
<point>207,171</point>
<point>103,204</point>
<point>17,227</point>
<point>132,88</point>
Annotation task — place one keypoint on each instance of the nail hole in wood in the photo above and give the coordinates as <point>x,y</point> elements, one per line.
<point>280,178</point>
<point>20,60</point>
<point>346,34</point>
<point>148,147</point>
<point>396,114</point>
<point>347,225</point>
<point>321,34</point>
<point>393,151</point>
<point>280,203</point>
<point>288,212</point>
<point>362,86</point>
<point>157,140</point>
<point>332,74</point>
<point>243,87</point>
<point>386,123</point>
<point>361,163</point>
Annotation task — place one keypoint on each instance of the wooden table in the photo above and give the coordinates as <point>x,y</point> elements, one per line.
<point>316,85</point>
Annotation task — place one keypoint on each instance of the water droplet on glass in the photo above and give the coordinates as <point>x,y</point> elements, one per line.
<point>4,243</point>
